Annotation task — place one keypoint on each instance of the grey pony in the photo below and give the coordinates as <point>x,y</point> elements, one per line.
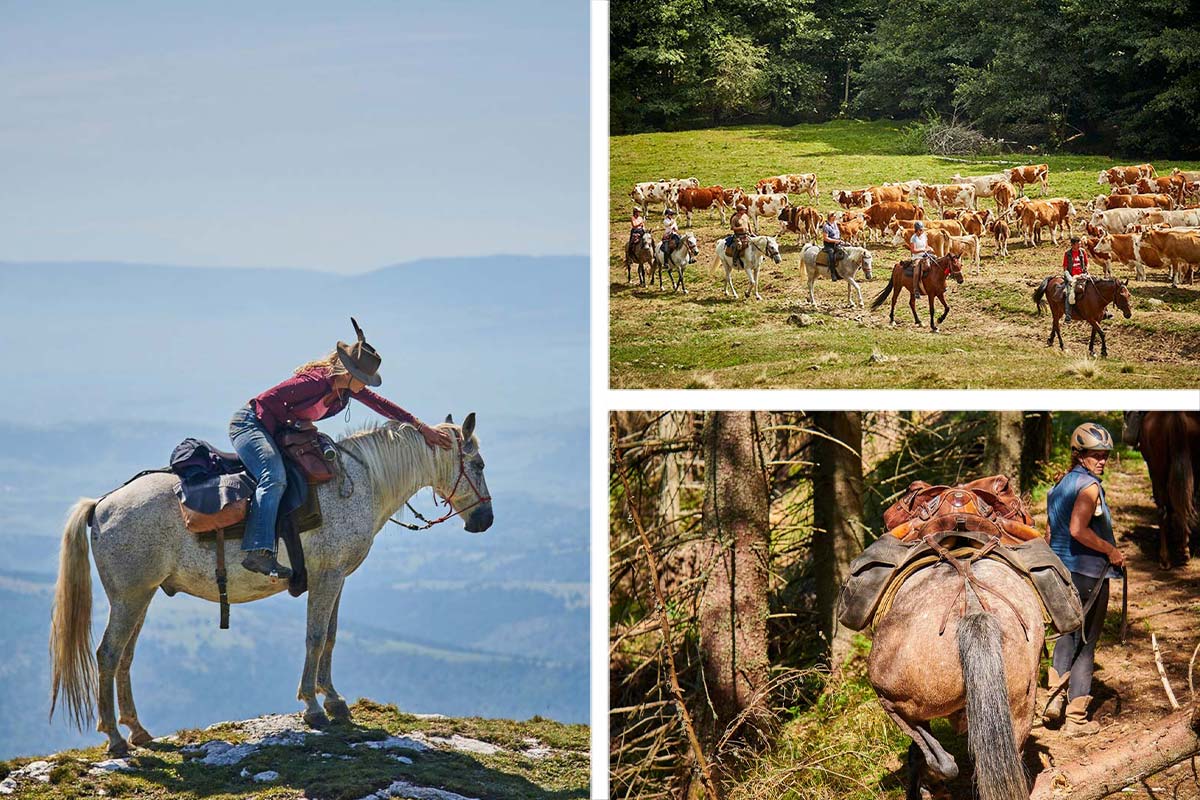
<point>855,258</point>
<point>139,543</point>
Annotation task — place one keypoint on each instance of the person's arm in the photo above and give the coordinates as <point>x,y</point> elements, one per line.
<point>1081,518</point>
<point>386,408</point>
<point>295,391</point>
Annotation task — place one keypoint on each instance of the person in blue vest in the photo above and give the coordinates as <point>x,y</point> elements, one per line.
<point>1081,535</point>
<point>831,242</point>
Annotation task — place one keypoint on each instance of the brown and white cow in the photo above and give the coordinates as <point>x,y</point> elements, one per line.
<point>1183,217</point>
<point>949,194</point>
<point>648,192</point>
<point>965,247</point>
<point>1021,177</point>
<point>908,188</point>
<point>1128,248</point>
<point>1004,194</point>
<point>1187,174</point>
<point>1126,189</point>
<point>801,220</point>
<point>887,194</point>
<point>1119,176</point>
<point>984,184</point>
<point>1115,220</point>
<point>1168,184</point>
<point>998,228</point>
<point>852,227</point>
<point>905,228</point>
<point>851,198</point>
<point>1181,249</point>
<point>801,183</point>
<point>765,205</point>
<point>974,222</point>
<point>1103,202</point>
<point>1191,192</point>
<point>702,199</point>
<point>1054,213</point>
<point>878,215</point>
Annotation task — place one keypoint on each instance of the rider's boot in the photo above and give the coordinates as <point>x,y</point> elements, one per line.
<point>1078,723</point>
<point>1054,711</point>
<point>264,563</point>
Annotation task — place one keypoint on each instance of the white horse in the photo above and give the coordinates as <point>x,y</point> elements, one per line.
<point>855,258</point>
<point>760,247</point>
<point>139,543</point>
<point>679,258</point>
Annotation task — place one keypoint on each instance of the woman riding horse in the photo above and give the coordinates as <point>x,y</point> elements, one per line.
<point>932,282</point>
<point>318,390</point>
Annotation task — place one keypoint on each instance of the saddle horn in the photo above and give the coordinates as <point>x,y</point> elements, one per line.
<point>358,330</point>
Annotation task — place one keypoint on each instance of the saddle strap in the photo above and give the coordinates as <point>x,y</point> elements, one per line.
<point>222,584</point>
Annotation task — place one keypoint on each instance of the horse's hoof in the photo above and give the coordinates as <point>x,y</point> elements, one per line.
<point>316,719</point>
<point>118,749</point>
<point>337,710</point>
<point>140,736</point>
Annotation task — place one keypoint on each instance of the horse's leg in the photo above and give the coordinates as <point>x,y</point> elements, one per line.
<point>323,593</point>
<point>1092,339</point>
<point>938,762</point>
<point>895,297</point>
<point>932,323</point>
<point>916,768</point>
<point>945,305</point>
<point>124,615</point>
<point>1103,341</point>
<point>754,282</point>
<point>335,706</point>
<point>857,289</point>
<point>129,718</point>
<point>812,279</point>
<point>729,282</point>
<point>912,304</point>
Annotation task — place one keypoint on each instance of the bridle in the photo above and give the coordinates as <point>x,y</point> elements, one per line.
<point>480,498</point>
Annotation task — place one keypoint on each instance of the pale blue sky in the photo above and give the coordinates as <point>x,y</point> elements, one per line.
<point>334,136</point>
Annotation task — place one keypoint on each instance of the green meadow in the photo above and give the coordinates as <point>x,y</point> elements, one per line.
<point>993,337</point>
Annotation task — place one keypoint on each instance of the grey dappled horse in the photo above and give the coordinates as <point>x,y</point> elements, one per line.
<point>855,258</point>
<point>759,248</point>
<point>139,543</point>
<point>981,674</point>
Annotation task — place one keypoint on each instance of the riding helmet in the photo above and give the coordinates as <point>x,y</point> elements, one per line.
<point>920,226</point>
<point>1090,436</point>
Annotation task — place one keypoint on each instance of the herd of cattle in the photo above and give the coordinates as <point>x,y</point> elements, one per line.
<point>1145,221</point>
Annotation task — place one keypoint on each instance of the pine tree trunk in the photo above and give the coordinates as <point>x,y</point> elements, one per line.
<point>733,605</point>
<point>837,516</point>
<point>1002,454</point>
<point>1039,436</point>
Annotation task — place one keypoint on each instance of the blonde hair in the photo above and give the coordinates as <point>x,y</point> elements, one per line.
<point>328,366</point>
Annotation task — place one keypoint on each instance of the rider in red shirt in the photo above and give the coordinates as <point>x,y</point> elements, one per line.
<point>1075,264</point>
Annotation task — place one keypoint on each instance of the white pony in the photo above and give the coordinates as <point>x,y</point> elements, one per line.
<point>679,258</point>
<point>760,247</point>
<point>855,258</point>
<point>139,543</point>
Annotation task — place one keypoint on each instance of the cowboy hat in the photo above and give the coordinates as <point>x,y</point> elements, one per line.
<point>360,359</point>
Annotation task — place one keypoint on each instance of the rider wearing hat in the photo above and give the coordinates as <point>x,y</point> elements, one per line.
<point>1075,264</point>
<point>918,245</point>
<point>317,390</point>
<point>637,228</point>
<point>740,225</point>
<point>1081,535</point>
<point>832,239</point>
<point>671,237</point>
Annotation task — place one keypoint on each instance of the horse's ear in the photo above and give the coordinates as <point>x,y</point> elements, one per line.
<point>1125,282</point>
<point>468,427</point>
<point>450,418</point>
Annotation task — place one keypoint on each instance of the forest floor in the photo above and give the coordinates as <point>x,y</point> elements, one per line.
<point>994,336</point>
<point>845,747</point>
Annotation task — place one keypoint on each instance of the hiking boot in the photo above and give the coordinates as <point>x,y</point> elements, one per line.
<point>264,563</point>
<point>1054,712</point>
<point>1067,313</point>
<point>1078,723</point>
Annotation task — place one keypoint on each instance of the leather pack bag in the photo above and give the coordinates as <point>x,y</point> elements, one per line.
<point>305,448</point>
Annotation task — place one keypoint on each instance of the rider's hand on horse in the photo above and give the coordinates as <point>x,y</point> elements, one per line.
<point>1116,557</point>
<point>434,437</point>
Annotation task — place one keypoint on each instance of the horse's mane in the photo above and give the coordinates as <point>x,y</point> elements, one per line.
<point>396,457</point>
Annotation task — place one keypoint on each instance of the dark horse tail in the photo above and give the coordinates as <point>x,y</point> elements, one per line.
<point>882,297</point>
<point>999,774</point>
<point>1039,294</point>
<point>1181,481</point>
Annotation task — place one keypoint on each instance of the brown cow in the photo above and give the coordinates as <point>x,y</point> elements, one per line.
<point>1033,173</point>
<point>878,215</point>
<point>1126,189</point>
<point>973,222</point>
<point>852,227</point>
<point>1188,175</point>
<point>1170,185</point>
<point>999,229</point>
<point>703,199</point>
<point>904,227</point>
<point>887,194</point>
<point>1054,213</point>
<point>1180,248</point>
<point>1103,202</point>
<point>1004,194</point>
<point>801,220</point>
<point>1119,176</point>
<point>853,198</point>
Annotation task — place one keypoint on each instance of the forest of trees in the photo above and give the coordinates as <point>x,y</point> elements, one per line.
<point>730,535</point>
<point>1111,76</point>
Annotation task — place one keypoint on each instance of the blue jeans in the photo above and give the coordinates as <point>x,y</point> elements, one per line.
<point>264,462</point>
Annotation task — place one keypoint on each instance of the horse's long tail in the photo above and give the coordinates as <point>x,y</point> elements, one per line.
<point>1039,294</point>
<point>999,774</point>
<point>72,662</point>
<point>882,297</point>
<point>1181,481</point>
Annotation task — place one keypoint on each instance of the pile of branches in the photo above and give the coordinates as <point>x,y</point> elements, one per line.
<point>941,137</point>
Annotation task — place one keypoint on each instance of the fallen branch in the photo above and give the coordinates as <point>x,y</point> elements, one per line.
<point>1162,673</point>
<point>1139,756</point>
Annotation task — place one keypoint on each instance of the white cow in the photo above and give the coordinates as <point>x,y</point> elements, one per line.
<point>648,192</point>
<point>984,184</point>
<point>1117,220</point>
<point>765,205</point>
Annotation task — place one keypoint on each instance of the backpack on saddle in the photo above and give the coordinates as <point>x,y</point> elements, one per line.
<point>214,493</point>
<point>930,524</point>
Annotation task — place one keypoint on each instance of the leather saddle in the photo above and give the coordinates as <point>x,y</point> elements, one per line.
<point>988,505</point>
<point>823,257</point>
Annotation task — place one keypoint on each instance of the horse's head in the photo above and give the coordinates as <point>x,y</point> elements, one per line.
<point>772,249</point>
<point>1123,299</point>
<point>467,491</point>
<point>648,241</point>
<point>692,245</point>
<point>955,267</point>
<point>866,262</point>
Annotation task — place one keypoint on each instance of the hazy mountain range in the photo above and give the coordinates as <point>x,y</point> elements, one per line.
<point>109,366</point>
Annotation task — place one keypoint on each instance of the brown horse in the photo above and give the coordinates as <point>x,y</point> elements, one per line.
<point>1170,445</point>
<point>1092,296</point>
<point>932,277</point>
<point>640,251</point>
<point>980,672</point>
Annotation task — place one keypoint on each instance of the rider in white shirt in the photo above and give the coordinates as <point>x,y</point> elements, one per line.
<point>918,245</point>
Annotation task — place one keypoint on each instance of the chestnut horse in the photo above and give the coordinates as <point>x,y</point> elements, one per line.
<point>1092,296</point>
<point>1170,445</point>
<point>933,283</point>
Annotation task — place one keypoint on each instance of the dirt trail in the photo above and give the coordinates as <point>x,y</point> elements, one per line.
<point>1128,692</point>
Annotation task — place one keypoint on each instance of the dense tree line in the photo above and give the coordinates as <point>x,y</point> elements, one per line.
<point>1086,75</point>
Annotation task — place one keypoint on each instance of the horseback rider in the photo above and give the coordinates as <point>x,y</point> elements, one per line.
<point>671,237</point>
<point>1075,265</point>
<point>1081,534</point>
<point>637,228</point>
<point>832,239</point>
<point>317,390</point>
<point>918,245</point>
<point>740,240</point>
